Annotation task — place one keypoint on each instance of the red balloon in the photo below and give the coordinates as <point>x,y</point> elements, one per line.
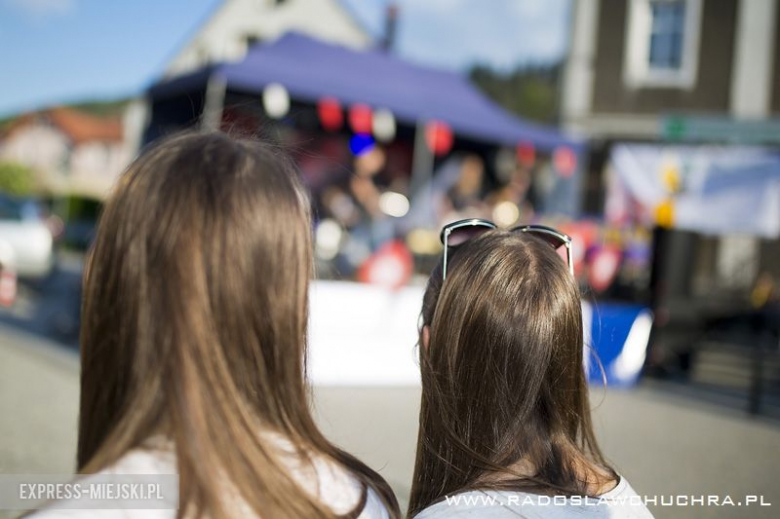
<point>330,113</point>
<point>360,119</point>
<point>439,137</point>
<point>526,153</point>
<point>565,161</point>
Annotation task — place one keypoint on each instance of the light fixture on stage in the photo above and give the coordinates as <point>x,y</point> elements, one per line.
<point>383,124</point>
<point>327,239</point>
<point>439,137</point>
<point>330,113</point>
<point>276,101</point>
<point>394,204</point>
<point>360,118</point>
<point>360,144</point>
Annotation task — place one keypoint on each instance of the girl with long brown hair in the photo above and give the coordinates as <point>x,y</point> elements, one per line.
<point>505,425</point>
<point>193,342</point>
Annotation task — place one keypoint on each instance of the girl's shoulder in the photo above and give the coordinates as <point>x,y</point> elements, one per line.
<point>337,487</point>
<point>332,484</point>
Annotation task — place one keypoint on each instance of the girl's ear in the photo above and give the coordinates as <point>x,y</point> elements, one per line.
<point>426,336</point>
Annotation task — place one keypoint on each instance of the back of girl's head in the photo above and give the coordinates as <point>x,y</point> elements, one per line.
<point>194,320</point>
<point>502,370</point>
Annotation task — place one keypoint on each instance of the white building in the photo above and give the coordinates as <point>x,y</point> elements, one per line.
<point>71,152</point>
<point>237,24</point>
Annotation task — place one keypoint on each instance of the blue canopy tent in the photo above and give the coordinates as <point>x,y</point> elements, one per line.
<point>311,70</point>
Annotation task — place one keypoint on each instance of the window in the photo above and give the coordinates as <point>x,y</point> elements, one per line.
<point>666,34</point>
<point>10,209</point>
<point>662,43</point>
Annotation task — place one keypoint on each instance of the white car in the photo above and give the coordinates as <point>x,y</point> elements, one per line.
<point>24,230</point>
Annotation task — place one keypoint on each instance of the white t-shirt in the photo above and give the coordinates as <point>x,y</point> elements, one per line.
<point>620,502</point>
<point>337,489</point>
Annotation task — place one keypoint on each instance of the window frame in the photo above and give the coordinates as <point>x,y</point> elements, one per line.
<point>637,70</point>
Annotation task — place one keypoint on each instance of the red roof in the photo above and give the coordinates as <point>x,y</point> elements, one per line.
<point>78,126</point>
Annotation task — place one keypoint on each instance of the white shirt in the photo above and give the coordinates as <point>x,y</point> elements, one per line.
<point>620,502</point>
<point>337,489</point>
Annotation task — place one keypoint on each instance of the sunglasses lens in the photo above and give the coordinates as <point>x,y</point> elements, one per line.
<point>556,241</point>
<point>463,234</point>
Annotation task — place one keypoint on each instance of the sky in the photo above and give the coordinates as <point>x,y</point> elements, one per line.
<point>57,51</point>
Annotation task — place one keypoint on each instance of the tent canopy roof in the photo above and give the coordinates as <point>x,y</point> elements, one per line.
<point>310,70</point>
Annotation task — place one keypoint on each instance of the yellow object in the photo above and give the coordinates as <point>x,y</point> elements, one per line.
<point>423,241</point>
<point>664,213</point>
<point>613,237</point>
<point>671,178</point>
<point>763,290</point>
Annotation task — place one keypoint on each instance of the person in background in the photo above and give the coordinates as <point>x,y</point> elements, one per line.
<point>464,199</point>
<point>454,191</point>
<point>505,424</point>
<point>193,340</point>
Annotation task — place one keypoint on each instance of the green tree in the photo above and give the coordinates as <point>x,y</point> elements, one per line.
<point>16,179</point>
<point>530,91</point>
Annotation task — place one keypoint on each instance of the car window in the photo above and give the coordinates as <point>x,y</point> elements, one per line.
<point>30,211</point>
<point>10,210</point>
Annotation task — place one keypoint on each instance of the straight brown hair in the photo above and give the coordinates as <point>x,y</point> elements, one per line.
<point>502,376</point>
<point>194,327</point>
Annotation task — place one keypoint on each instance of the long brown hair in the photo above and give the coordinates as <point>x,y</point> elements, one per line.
<point>502,375</point>
<point>194,327</point>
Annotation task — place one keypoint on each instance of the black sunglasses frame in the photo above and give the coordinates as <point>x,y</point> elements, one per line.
<point>490,226</point>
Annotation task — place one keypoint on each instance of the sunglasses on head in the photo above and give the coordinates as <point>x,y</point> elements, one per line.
<point>456,233</point>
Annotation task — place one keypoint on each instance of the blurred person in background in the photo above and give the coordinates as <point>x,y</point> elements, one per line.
<point>464,199</point>
<point>514,194</point>
<point>505,411</point>
<point>363,185</point>
<point>354,202</point>
<point>366,187</point>
<point>453,192</point>
<point>194,338</point>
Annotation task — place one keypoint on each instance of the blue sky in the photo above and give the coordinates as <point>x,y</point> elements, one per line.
<point>67,50</point>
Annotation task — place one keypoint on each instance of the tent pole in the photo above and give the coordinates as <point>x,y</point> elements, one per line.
<point>422,160</point>
<point>213,104</point>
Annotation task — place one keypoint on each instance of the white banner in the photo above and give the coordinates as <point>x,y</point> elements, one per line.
<point>707,189</point>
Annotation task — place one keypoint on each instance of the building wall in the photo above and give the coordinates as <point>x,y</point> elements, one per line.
<point>38,146</point>
<point>95,166</point>
<point>711,91</point>
<point>775,104</point>
<point>88,169</point>
<point>224,35</point>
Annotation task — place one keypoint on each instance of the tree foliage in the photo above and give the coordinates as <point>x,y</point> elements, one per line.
<point>16,179</point>
<point>530,91</point>
<point>102,108</point>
